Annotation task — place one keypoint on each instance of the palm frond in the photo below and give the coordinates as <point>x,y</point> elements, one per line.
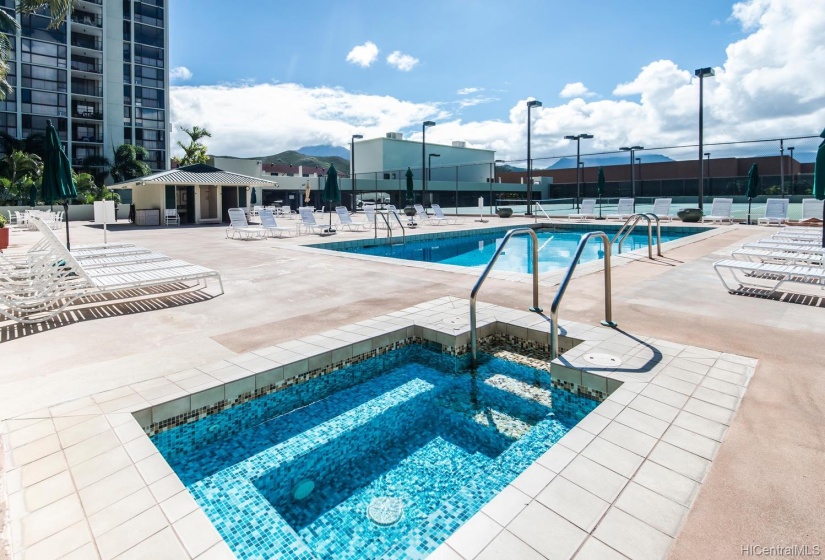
<point>58,9</point>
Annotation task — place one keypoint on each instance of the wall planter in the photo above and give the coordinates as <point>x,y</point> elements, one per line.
<point>689,214</point>
<point>504,212</point>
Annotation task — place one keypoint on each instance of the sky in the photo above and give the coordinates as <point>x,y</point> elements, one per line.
<point>264,77</point>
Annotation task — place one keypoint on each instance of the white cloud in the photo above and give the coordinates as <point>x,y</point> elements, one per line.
<point>473,101</point>
<point>576,89</point>
<point>181,73</point>
<point>363,55</point>
<point>469,90</point>
<point>403,62</point>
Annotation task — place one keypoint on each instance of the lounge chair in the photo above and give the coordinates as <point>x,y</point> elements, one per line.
<point>587,210</point>
<point>767,276</point>
<point>623,211</point>
<point>773,254</point>
<point>720,211</point>
<point>240,227</point>
<point>661,207</point>
<point>270,226</point>
<point>786,245</point>
<point>171,216</point>
<point>308,221</point>
<point>807,236</point>
<point>438,214</point>
<point>812,208</point>
<point>776,212</point>
<point>346,221</point>
<point>424,218</point>
<point>372,216</point>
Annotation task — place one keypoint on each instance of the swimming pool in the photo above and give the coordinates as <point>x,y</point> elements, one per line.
<point>385,458</point>
<point>556,249</point>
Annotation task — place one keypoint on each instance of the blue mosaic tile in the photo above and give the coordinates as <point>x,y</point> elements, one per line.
<point>411,424</point>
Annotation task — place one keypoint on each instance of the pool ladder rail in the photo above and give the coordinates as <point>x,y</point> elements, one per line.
<point>630,224</point>
<point>554,307</point>
<point>389,227</point>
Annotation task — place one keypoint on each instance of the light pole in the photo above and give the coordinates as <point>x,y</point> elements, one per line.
<point>530,104</point>
<point>430,166</point>
<point>782,167</point>
<point>632,150</point>
<point>352,166</point>
<point>578,139</point>
<point>491,185</point>
<point>793,175</point>
<point>701,73</point>
<point>580,173</point>
<point>639,167</point>
<point>707,156</point>
<point>424,161</point>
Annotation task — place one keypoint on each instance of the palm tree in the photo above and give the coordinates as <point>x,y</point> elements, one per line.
<point>20,173</point>
<point>128,164</point>
<point>96,166</point>
<point>195,152</point>
<point>34,143</point>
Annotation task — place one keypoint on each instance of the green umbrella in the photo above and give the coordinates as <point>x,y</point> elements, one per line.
<point>331,191</point>
<point>33,195</point>
<point>410,193</point>
<point>753,186</point>
<point>819,180</point>
<point>600,189</point>
<point>254,198</point>
<point>57,174</point>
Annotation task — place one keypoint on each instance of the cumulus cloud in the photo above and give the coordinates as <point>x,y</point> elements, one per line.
<point>469,90</point>
<point>363,55</point>
<point>403,62</point>
<point>576,89</point>
<point>759,91</point>
<point>181,73</point>
<point>473,101</point>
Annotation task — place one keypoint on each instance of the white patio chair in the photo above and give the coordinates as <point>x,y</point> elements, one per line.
<point>438,215</point>
<point>661,207</point>
<point>776,212</point>
<point>812,208</point>
<point>720,211</point>
<point>372,216</point>
<point>587,210</point>
<point>271,226</point>
<point>308,221</point>
<point>346,221</point>
<point>623,211</point>
<point>171,216</point>
<point>240,227</point>
<point>767,276</point>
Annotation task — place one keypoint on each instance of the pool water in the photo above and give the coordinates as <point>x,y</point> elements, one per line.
<point>556,249</point>
<point>385,458</point>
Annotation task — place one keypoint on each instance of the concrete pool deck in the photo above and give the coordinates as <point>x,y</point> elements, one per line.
<point>764,488</point>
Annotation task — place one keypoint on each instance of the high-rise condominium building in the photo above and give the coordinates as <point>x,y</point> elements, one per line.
<point>102,78</point>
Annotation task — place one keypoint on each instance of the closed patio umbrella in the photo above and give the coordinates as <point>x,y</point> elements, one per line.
<point>57,175</point>
<point>600,190</point>
<point>331,191</point>
<point>819,180</point>
<point>253,199</point>
<point>753,187</point>
<point>410,191</point>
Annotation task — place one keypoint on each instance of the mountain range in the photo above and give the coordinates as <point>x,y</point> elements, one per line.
<point>323,156</point>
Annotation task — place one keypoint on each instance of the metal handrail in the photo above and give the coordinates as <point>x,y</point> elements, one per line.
<point>483,277</point>
<point>631,222</point>
<point>543,211</point>
<point>608,303</point>
<point>658,233</point>
<point>389,227</point>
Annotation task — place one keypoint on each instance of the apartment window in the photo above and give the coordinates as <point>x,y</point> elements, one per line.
<point>158,3</point>
<point>127,115</point>
<point>36,27</point>
<point>146,76</point>
<point>35,123</point>
<point>46,54</point>
<point>127,52</point>
<point>39,77</point>
<point>127,135</point>
<point>9,103</point>
<point>127,73</point>
<point>87,87</point>
<point>148,56</point>
<point>127,95</point>
<point>8,123</point>
<point>127,31</point>
<point>148,97</point>
<point>151,118</point>
<point>43,102</point>
<point>127,9</point>
<point>151,15</point>
<point>148,35</point>
<point>151,139</point>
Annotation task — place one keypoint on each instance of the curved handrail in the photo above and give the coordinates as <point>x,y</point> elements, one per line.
<point>483,277</point>
<point>658,232</point>
<point>608,303</point>
<point>632,221</point>
<point>389,227</point>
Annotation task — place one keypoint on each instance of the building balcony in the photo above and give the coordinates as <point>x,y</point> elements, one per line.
<point>87,90</point>
<point>89,115</point>
<point>87,42</point>
<point>94,68</point>
<point>87,139</point>
<point>87,19</point>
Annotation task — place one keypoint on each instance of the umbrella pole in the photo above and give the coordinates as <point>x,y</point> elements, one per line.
<point>823,224</point>
<point>66,215</point>
<point>749,211</point>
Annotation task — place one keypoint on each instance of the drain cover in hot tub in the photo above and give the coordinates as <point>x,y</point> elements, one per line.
<point>385,510</point>
<point>604,360</point>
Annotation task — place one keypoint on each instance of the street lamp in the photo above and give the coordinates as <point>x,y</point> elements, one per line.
<point>639,167</point>
<point>793,175</point>
<point>632,150</point>
<point>701,73</point>
<point>710,191</point>
<point>578,139</point>
<point>530,104</point>
<point>430,166</point>
<point>423,161</point>
<point>580,173</point>
<point>352,166</point>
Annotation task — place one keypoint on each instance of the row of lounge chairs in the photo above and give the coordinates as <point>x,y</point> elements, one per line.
<point>42,283</point>
<point>792,255</point>
<point>625,209</point>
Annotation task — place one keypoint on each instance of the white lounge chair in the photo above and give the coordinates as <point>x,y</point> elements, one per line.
<point>786,245</point>
<point>776,212</point>
<point>240,227</point>
<point>623,211</point>
<point>812,208</point>
<point>767,276</point>
<point>308,221</point>
<point>661,207</point>
<point>807,236</point>
<point>372,216</point>
<point>171,216</point>
<point>423,217</point>
<point>773,254</point>
<point>438,214</point>
<point>587,210</point>
<point>271,226</point>
<point>346,221</point>
<point>720,211</point>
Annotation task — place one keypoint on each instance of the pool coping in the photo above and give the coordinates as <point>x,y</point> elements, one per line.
<point>84,477</point>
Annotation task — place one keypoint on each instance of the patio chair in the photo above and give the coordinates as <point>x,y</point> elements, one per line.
<point>806,257</point>
<point>776,212</point>
<point>308,221</point>
<point>424,217</point>
<point>720,211</point>
<point>171,216</point>
<point>240,227</point>
<point>587,210</point>
<point>623,211</point>
<point>346,221</point>
<point>767,276</point>
<point>812,208</point>
<point>270,226</point>
<point>438,215</point>
<point>661,207</point>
